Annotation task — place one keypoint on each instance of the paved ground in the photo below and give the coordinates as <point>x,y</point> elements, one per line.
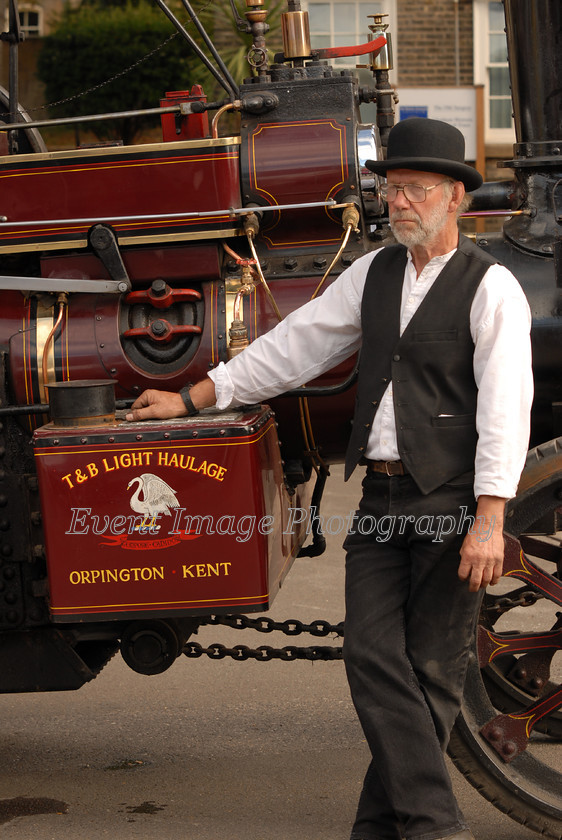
<point>207,751</point>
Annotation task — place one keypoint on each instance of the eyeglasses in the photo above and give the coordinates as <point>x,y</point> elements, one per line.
<point>414,193</point>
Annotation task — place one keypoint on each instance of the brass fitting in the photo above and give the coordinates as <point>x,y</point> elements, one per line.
<point>238,338</point>
<point>255,12</point>
<point>251,225</point>
<point>384,60</point>
<point>351,217</point>
<point>296,34</point>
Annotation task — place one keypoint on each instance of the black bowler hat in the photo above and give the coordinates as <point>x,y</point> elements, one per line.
<point>428,146</point>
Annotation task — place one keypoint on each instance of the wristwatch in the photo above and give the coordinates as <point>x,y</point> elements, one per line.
<point>187,401</point>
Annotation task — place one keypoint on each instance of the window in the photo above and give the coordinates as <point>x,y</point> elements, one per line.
<point>31,20</point>
<point>491,70</point>
<point>341,24</point>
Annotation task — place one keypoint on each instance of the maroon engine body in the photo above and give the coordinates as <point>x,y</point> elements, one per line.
<point>126,268</point>
<point>131,262</point>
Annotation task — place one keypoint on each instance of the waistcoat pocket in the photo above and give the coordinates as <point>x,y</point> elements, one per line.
<point>436,335</point>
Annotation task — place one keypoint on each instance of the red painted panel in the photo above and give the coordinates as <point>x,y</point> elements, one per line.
<point>298,162</point>
<point>167,178</point>
<point>98,486</point>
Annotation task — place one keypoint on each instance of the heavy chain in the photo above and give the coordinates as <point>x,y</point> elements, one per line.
<point>527,598</point>
<point>264,624</point>
<point>241,653</point>
<point>294,627</point>
<point>265,653</point>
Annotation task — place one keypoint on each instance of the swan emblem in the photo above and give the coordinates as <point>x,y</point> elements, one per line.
<point>157,497</point>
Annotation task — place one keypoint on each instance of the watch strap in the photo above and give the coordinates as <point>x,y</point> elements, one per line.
<point>187,401</point>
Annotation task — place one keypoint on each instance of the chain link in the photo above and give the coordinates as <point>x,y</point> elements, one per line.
<point>112,79</point>
<point>527,599</point>
<point>107,81</point>
<point>264,624</point>
<point>294,627</point>
<point>265,653</point>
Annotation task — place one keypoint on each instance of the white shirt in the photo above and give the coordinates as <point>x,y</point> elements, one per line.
<point>322,333</point>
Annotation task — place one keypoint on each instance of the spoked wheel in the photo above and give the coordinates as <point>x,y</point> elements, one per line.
<point>507,738</point>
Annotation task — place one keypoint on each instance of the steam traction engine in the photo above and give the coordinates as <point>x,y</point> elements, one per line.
<point>126,268</point>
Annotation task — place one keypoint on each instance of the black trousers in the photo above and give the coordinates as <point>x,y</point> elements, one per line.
<point>408,629</point>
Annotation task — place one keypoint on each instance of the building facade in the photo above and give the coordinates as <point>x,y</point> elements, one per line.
<point>438,44</point>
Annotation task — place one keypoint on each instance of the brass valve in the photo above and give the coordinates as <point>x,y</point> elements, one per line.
<point>238,332</point>
<point>351,217</point>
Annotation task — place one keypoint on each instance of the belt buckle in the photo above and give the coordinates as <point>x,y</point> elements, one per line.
<point>386,467</point>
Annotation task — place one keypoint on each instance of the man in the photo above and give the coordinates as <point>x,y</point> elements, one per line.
<point>442,423</point>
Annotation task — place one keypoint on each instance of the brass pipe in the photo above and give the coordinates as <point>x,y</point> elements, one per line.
<point>62,300</point>
<point>231,106</point>
<point>250,234</point>
<point>231,252</point>
<point>345,240</point>
<point>351,220</point>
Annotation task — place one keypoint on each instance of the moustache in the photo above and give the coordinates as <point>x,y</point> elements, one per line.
<point>404,216</point>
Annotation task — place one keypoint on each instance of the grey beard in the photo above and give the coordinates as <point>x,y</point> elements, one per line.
<point>425,230</point>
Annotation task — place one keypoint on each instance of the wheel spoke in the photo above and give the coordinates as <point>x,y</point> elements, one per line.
<point>518,565</point>
<point>546,547</point>
<point>509,734</point>
<point>492,644</point>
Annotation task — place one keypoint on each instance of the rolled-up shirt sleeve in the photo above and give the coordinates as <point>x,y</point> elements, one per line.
<point>501,323</point>
<point>309,341</point>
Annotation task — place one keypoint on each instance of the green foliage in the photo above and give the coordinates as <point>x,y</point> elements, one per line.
<point>98,41</point>
<point>101,38</point>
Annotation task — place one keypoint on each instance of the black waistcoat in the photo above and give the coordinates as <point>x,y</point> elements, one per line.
<point>430,365</point>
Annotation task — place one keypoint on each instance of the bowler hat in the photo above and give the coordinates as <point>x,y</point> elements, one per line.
<point>428,146</point>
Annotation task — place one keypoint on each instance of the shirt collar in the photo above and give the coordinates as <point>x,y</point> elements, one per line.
<point>440,259</point>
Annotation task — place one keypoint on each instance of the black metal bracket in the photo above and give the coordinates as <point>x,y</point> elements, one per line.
<point>104,244</point>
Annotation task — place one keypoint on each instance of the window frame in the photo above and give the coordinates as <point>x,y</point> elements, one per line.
<point>24,10</point>
<point>389,7</point>
<point>481,68</point>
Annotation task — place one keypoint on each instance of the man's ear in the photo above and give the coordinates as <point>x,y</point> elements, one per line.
<point>457,194</point>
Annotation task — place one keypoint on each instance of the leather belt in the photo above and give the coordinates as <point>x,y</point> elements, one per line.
<point>387,467</point>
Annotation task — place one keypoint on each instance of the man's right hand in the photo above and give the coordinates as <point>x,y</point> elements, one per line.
<point>157,405</point>
<point>164,405</point>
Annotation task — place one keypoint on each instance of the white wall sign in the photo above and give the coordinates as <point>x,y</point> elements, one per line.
<point>452,105</point>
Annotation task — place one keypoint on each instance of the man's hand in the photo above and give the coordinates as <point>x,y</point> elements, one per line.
<point>483,547</point>
<point>164,405</point>
<point>157,405</point>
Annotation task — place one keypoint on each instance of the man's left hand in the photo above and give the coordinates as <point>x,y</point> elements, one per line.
<point>483,547</point>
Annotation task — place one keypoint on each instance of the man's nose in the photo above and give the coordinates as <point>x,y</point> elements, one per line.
<point>401,202</point>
